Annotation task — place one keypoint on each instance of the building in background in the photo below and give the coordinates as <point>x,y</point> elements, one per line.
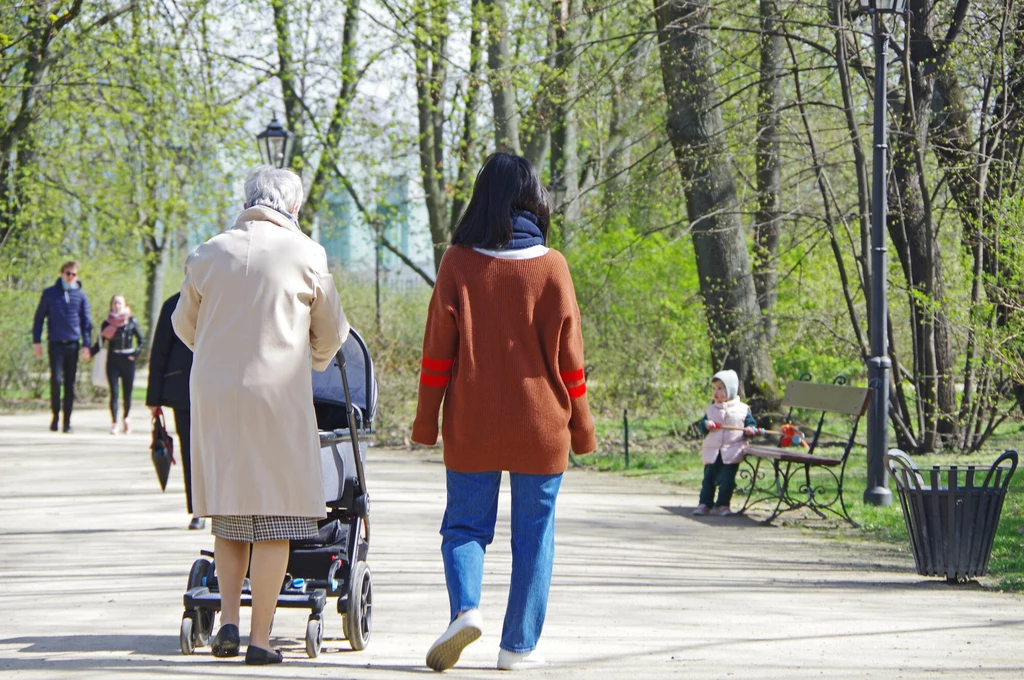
<point>351,242</point>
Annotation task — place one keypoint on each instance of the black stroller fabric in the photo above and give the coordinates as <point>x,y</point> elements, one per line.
<point>329,393</point>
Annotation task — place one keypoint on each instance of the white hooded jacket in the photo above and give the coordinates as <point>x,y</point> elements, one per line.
<point>732,412</point>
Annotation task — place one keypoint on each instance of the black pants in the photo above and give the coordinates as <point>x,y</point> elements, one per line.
<point>183,423</point>
<point>120,368</point>
<point>63,368</point>
<point>724,476</point>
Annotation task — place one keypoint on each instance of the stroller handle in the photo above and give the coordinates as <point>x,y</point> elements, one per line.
<point>360,474</point>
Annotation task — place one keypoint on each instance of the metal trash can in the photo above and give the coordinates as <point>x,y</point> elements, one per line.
<point>952,522</point>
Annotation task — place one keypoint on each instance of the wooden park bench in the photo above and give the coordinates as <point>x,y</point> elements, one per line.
<point>805,477</point>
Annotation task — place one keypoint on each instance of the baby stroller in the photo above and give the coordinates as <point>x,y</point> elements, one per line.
<point>333,564</point>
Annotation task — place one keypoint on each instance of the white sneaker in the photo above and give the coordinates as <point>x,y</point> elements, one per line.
<point>519,661</point>
<point>127,427</point>
<point>445,651</point>
<point>113,429</point>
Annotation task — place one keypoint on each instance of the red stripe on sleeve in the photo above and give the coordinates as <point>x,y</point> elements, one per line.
<point>434,380</point>
<point>572,376</point>
<point>437,364</point>
<point>578,391</point>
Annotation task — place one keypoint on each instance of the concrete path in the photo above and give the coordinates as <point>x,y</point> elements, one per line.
<point>94,559</point>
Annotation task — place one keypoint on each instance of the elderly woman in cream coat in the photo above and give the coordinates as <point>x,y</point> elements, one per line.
<point>259,309</point>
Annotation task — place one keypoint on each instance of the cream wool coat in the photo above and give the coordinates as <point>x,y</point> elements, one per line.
<point>259,309</point>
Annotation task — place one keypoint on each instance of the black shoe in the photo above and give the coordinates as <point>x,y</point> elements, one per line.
<point>225,643</point>
<point>67,428</point>
<point>257,656</point>
<point>53,424</point>
<point>197,523</point>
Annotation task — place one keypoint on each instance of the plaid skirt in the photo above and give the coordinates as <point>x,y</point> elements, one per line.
<point>255,528</point>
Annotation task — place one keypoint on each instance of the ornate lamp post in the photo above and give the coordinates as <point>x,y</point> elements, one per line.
<point>877,491</point>
<point>275,144</point>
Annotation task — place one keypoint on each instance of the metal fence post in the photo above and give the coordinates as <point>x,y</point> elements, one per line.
<point>625,437</point>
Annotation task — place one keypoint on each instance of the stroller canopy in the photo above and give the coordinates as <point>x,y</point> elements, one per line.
<point>329,391</point>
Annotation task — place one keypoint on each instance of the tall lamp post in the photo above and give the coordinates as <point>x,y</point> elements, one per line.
<point>877,491</point>
<point>275,144</point>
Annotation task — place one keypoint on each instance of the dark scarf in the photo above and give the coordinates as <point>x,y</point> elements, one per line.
<point>525,232</point>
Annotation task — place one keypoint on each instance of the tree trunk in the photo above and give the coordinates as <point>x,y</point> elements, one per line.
<point>621,127</point>
<point>40,34</point>
<point>565,163</point>
<point>535,126</point>
<point>289,82</point>
<point>503,94</point>
<point>769,170</point>
<point>430,46</point>
<point>696,130</point>
<point>913,232</point>
<point>329,156</point>
<point>467,143</point>
<point>157,257</point>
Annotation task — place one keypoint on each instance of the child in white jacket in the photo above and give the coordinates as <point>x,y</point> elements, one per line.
<point>723,448</point>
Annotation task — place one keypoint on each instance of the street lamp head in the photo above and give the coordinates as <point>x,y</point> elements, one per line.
<point>275,144</point>
<point>881,6</point>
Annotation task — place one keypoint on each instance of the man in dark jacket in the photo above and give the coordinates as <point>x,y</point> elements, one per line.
<point>170,363</point>
<point>65,308</point>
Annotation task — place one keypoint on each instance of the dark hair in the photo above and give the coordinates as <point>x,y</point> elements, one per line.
<point>505,185</point>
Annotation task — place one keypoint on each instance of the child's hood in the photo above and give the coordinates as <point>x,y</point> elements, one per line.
<point>731,381</point>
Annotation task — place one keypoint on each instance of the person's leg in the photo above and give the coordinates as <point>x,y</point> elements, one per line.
<point>232,558</point>
<point>266,575</point>
<point>707,487</point>
<point>466,530</point>
<point>183,423</point>
<point>113,375</point>
<point>726,483</point>
<point>56,378</point>
<point>533,552</point>
<point>128,382</point>
<point>70,372</point>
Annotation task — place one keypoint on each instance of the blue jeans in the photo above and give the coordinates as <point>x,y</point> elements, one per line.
<point>468,528</point>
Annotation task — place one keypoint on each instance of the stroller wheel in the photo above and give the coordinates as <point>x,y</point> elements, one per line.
<point>186,637</point>
<point>201,575</point>
<point>314,635</point>
<point>204,626</point>
<point>359,616</point>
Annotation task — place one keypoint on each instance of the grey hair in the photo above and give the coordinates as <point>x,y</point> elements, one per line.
<point>276,188</point>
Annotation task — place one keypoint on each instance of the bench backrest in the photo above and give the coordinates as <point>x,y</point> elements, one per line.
<point>852,401</point>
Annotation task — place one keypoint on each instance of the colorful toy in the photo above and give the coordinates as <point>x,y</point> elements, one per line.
<point>789,435</point>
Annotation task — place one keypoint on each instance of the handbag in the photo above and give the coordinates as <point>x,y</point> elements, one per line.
<point>162,450</point>
<point>99,369</point>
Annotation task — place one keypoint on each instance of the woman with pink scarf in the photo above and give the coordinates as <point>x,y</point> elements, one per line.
<point>120,332</point>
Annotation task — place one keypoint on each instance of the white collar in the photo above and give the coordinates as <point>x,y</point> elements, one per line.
<point>521,254</point>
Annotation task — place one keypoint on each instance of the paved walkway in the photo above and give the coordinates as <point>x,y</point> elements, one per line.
<point>93,563</point>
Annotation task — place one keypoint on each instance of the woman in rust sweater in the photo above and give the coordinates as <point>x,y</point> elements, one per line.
<point>503,350</point>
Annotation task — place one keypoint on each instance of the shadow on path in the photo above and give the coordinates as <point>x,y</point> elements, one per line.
<point>162,656</point>
<point>733,520</point>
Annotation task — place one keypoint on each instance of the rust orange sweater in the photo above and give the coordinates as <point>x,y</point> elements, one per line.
<point>504,350</point>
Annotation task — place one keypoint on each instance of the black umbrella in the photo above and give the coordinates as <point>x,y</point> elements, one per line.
<point>163,450</point>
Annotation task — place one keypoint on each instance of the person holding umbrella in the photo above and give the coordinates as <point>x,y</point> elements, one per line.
<point>170,364</point>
